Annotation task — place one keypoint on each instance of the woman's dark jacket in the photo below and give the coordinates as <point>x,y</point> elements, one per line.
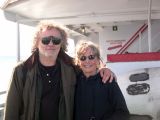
<point>24,95</point>
<point>98,101</point>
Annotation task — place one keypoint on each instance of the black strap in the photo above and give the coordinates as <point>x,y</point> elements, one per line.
<point>24,73</point>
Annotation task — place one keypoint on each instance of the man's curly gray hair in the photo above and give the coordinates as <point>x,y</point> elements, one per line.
<point>49,25</point>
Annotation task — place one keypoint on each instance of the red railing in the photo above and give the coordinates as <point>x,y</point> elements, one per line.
<point>130,57</point>
<point>132,39</point>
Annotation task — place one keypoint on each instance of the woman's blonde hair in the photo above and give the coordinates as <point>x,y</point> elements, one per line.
<point>49,25</point>
<point>82,46</point>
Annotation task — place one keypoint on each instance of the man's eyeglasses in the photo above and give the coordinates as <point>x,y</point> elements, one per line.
<point>55,40</point>
<point>90,57</point>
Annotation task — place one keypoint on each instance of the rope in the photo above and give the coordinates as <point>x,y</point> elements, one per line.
<point>136,89</point>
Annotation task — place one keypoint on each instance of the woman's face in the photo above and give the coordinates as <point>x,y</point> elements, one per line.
<point>88,62</point>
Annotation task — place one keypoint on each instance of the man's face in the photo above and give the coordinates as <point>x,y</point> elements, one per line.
<point>50,42</point>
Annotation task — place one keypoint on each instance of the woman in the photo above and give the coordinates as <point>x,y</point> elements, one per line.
<point>95,100</point>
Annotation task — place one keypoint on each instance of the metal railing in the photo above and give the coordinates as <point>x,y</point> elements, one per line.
<point>2,105</point>
<point>133,38</point>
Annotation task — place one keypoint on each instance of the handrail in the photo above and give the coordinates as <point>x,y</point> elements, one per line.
<point>132,39</point>
<point>2,105</point>
<point>3,92</point>
<point>134,57</point>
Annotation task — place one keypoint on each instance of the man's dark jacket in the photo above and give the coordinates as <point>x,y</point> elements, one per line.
<point>23,99</point>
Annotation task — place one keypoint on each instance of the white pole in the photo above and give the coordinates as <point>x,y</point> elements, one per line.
<point>149,26</point>
<point>140,42</point>
<point>18,43</point>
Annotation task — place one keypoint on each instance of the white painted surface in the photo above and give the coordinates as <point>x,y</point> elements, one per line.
<point>125,32</point>
<point>145,104</point>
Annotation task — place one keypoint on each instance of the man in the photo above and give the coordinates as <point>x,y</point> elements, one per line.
<point>43,86</point>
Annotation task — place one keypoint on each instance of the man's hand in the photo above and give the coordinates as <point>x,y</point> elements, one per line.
<point>107,75</point>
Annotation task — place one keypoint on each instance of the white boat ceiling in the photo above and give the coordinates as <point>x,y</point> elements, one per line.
<point>94,14</point>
